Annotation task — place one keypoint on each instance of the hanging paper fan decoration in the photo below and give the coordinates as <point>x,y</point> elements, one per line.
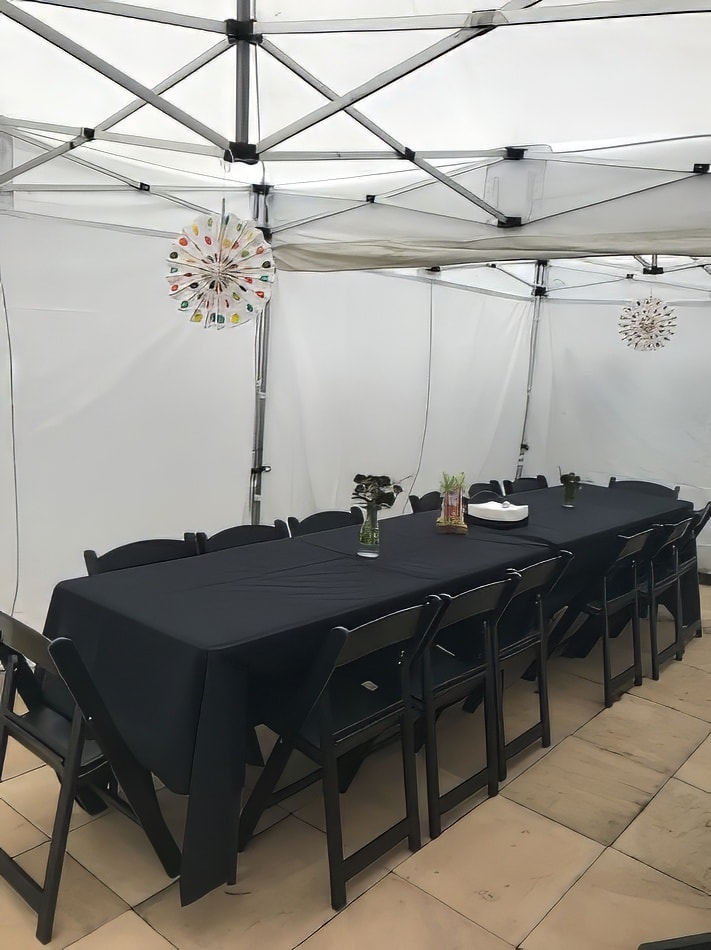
<point>647,324</point>
<point>221,270</point>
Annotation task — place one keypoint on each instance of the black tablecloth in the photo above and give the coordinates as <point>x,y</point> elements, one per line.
<point>174,646</point>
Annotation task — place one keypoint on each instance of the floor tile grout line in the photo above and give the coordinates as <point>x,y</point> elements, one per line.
<point>68,946</point>
<point>565,893</point>
<point>671,877</point>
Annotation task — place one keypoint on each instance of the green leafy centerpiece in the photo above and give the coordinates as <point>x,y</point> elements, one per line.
<point>571,483</point>
<point>373,492</point>
<point>451,520</point>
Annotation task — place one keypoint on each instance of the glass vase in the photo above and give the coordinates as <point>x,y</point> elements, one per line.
<point>369,538</point>
<point>569,494</point>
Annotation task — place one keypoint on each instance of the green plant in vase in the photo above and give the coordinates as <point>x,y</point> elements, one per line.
<point>451,519</point>
<point>373,492</point>
<point>571,483</point>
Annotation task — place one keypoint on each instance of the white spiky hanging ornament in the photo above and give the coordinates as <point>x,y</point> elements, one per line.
<point>647,324</point>
<point>221,270</point>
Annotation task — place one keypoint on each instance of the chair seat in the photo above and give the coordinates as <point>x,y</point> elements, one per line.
<point>448,672</point>
<point>54,731</point>
<point>362,693</point>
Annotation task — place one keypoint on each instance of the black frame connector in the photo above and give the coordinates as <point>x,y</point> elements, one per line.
<point>241,31</point>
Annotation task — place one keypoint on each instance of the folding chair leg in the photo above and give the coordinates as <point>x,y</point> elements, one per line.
<point>543,703</point>
<point>409,771</point>
<point>637,644</point>
<point>653,636</point>
<point>60,831</point>
<point>432,773</point>
<point>678,622</point>
<point>334,833</point>
<point>500,727</point>
<point>606,667</point>
<point>258,801</point>
<point>492,748</point>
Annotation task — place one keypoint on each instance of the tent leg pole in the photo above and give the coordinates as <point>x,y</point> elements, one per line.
<point>258,466</point>
<point>540,290</point>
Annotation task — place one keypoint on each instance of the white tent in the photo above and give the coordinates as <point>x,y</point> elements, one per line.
<point>418,135</point>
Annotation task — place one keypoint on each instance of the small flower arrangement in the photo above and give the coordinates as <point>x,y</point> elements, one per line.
<point>451,519</point>
<point>571,483</point>
<point>570,478</point>
<point>375,490</point>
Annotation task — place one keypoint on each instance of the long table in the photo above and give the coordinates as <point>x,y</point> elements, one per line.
<point>175,647</point>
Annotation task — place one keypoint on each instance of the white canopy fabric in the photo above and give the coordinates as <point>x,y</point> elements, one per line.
<point>408,134</point>
<point>398,134</point>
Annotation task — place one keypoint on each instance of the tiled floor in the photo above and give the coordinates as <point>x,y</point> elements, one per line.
<point>599,843</point>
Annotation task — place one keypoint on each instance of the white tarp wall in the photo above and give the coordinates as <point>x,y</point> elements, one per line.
<point>129,423</point>
<point>381,374</point>
<point>601,408</point>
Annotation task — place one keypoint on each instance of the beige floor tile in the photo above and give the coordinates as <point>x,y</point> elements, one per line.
<point>618,904</point>
<point>572,702</point>
<point>673,834</point>
<point>590,667</point>
<point>697,769</point>
<point>34,795</point>
<point>128,930</point>
<point>682,687</point>
<point>586,788</point>
<point>698,653</point>
<point>649,733</point>
<point>396,914</point>
<point>116,851</point>
<point>84,905</point>
<point>16,833</point>
<point>18,759</point>
<point>281,898</point>
<point>502,866</point>
<point>374,801</point>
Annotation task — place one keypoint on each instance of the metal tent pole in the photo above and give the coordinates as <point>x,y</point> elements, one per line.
<point>260,215</point>
<point>261,361</point>
<point>539,291</point>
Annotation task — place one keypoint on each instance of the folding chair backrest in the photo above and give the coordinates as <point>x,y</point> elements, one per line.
<point>631,548</point>
<point>41,686</point>
<point>484,495</point>
<point>527,483</point>
<point>700,519</point>
<point>541,577</point>
<point>138,553</point>
<point>480,603</point>
<point>491,485</point>
<point>325,521</point>
<point>238,535</point>
<point>671,534</point>
<point>411,625</point>
<point>649,488</point>
<point>431,501</point>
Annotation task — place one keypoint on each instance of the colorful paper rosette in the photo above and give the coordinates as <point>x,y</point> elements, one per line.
<point>221,271</point>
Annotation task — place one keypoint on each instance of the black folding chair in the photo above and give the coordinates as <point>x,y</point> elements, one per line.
<point>431,501</point>
<point>526,483</point>
<point>649,488</point>
<point>137,553</point>
<point>81,744</point>
<point>448,678</point>
<point>240,534</point>
<point>324,521</point>
<point>617,590</point>
<point>492,485</point>
<point>358,689</point>
<point>664,575</point>
<point>689,565</point>
<point>525,625</point>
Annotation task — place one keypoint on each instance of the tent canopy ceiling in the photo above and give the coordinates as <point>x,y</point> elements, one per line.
<point>539,129</point>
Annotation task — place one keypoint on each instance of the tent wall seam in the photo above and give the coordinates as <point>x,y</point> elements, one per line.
<point>11,380</point>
